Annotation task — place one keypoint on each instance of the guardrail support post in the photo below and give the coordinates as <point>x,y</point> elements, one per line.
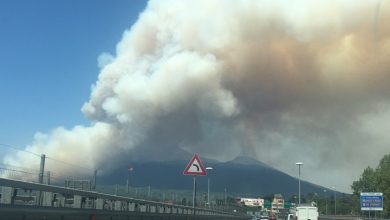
<point>99,203</point>
<point>6,195</point>
<point>76,201</point>
<point>47,199</point>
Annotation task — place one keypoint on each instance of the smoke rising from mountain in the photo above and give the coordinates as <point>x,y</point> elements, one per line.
<point>281,81</point>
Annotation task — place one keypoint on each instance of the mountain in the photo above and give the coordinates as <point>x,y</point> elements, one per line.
<point>241,176</point>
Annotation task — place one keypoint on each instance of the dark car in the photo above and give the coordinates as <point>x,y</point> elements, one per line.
<point>272,216</point>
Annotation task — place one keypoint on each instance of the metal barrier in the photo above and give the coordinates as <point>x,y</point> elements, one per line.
<point>28,195</point>
<point>347,217</point>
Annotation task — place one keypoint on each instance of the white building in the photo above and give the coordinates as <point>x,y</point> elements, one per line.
<point>252,202</point>
<point>277,202</point>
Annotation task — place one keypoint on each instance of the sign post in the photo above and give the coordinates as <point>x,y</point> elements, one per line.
<point>371,201</point>
<point>194,168</point>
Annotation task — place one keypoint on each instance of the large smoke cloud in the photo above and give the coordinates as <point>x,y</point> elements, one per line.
<point>282,81</point>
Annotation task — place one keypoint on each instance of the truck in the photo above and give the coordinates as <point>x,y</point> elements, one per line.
<point>306,213</point>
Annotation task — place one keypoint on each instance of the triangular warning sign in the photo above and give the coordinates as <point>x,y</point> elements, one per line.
<point>195,167</point>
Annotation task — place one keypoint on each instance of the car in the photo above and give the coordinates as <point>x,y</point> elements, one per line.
<point>263,216</point>
<point>272,216</point>
<point>290,217</point>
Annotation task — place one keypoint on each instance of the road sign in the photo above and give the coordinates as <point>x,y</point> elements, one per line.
<point>371,201</point>
<point>195,167</point>
<point>287,205</point>
<point>267,204</point>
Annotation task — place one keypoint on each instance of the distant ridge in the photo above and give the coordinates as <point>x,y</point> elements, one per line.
<point>247,161</point>
<point>241,176</point>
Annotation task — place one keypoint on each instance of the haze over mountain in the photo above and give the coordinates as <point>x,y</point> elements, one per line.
<point>242,176</point>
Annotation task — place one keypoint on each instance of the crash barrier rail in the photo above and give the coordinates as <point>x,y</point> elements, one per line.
<point>348,217</point>
<point>16,192</point>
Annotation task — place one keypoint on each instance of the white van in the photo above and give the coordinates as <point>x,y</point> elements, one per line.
<point>306,213</point>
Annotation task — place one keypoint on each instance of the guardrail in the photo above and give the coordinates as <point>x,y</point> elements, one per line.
<point>15,193</point>
<point>348,217</point>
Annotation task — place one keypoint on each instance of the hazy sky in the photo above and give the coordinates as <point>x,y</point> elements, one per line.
<point>280,81</point>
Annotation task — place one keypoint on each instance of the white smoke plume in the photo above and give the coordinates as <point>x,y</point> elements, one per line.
<point>281,81</point>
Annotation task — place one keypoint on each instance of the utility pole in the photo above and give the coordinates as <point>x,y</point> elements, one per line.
<point>42,168</point>
<point>40,177</point>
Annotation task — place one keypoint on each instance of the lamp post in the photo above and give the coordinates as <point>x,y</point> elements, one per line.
<point>128,179</point>
<point>225,196</point>
<point>209,169</point>
<point>299,164</point>
<point>326,203</point>
<point>335,205</point>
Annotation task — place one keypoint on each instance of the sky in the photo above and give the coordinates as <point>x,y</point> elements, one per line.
<point>103,83</point>
<point>49,60</point>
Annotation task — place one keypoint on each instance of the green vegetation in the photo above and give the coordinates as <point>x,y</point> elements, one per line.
<point>374,180</point>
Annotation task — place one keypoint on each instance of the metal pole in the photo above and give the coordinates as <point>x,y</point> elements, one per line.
<point>209,169</point>
<point>335,209</point>
<point>194,195</point>
<point>299,184</point>
<point>127,182</point>
<point>326,206</point>
<point>326,203</point>
<point>94,180</point>
<point>42,168</point>
<point>299,164</point>
<point>40,177</point>
<point>225,196</point>
<point>208,192</point>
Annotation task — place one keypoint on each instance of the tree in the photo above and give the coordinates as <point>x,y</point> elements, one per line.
<point>366,183</point>
<point>374,180</point>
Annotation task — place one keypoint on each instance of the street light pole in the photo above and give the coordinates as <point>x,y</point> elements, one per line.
<point>225,196</point>
<point>326,203</point>
<point>209,169</point>
<point>335,205</point>
<point>299,164</point>
<point>128,179</point>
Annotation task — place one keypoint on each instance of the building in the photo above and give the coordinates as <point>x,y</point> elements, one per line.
<point>277,203</point>
<point>252,202</point>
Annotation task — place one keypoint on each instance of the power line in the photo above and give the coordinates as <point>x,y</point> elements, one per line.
<point>69,164</point>
<point>20,171</point>
<point>19,149</point>
<point>38,155</point>
<point>10,165</point>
